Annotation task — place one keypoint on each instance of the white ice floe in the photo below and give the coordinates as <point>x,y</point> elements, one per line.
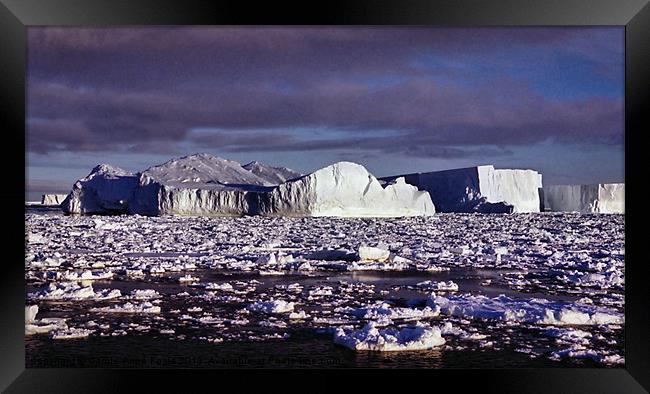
<point>273,306</point>
<point>605,280</point>
<point>45,325</point>
<point>389,340</point>
<point>41,326</point>
<point>188,279</point>
<point>144,307</point>
<point>30,313</point>
<point>33,238</point>
<point>582,352</point>
<point>461,250</point>
<point>320,292</point>
<point>73,291</point>
<point>301,315</point>
<point>369,253</point>
<point>71,333</point>
<point>219,286</point>
<point>438,286</point>
<point>383,311</point>
<point>535,310</point>
<point>568,335</point>
<point>87,275</point>
<point>271,272</point>
<point>144,294</point>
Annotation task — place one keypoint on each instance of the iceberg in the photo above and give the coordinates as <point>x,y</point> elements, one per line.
<point>481,189</point>
<point>345,189</point>
<point>594,198</point>
<point>202,184</point>
<point>105,190</point>
<point>53,199</point>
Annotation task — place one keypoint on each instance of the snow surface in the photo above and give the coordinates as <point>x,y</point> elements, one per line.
<point>202,184</point>
<point>273,175</point>
<point>480,189</point>
<point>596,198</point>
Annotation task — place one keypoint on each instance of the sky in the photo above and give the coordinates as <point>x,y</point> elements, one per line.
<point>395,99</point>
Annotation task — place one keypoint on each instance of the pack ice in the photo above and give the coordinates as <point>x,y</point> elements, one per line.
<point>482,189</point>
<point>595,198</point>
<point>202,184</point>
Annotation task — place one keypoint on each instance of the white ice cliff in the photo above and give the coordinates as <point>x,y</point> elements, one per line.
<point>206,185</point>
<point>480,189</point>
<point>345,189</point>
<point>595,198</point>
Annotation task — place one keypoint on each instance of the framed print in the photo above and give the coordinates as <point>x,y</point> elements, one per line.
<point>212,189</point>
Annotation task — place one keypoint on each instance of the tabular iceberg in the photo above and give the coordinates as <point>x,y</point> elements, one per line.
<point>595,198</point>
<point>206,185</point>
<point>480,189</point>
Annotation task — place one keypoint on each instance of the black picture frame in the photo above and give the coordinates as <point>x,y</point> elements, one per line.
<point>16,15</point>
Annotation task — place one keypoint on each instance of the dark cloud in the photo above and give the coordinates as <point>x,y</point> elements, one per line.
<point>146,89</point>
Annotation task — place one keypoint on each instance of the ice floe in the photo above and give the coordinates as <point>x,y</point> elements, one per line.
<point>73,291</point>
<point>540,311</point>
<point>273,306</point>
<point>372,338</point>
<point>144,307</point>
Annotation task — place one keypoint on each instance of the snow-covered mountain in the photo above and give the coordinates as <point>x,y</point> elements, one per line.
<point>203,184</point>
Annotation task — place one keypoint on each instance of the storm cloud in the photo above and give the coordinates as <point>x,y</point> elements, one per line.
<point>428,92</point>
